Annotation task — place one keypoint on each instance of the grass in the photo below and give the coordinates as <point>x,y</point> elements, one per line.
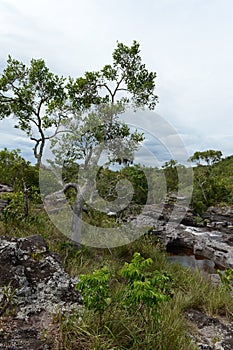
<point>121,328</point>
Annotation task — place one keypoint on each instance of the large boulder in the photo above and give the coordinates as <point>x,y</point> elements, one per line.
<point>33,287</point>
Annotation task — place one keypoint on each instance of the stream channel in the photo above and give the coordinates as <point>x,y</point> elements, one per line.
<point>185,256</point>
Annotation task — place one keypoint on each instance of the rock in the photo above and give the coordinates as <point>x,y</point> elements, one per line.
<point>4,189</point>
<point>201,242</point>
<point>220,218</point>
<point>38,284</point>
<point>209,332</point>
<point>214,242</point>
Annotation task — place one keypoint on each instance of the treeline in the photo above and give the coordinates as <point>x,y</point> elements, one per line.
<point>212,182</point>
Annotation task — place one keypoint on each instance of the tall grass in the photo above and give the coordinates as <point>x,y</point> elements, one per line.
<point>119,327</point>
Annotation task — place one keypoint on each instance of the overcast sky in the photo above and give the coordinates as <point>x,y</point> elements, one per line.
<point>189,43</point>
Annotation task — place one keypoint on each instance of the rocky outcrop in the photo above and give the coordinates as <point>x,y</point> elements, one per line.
<point>33,286</point>
<point>210,333</point>
<point>220,218</point>
<point>212,238</point>
<point>203,242</point>
<point>4,189</point>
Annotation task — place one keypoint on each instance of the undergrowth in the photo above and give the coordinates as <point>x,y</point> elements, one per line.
<point>133,298</point>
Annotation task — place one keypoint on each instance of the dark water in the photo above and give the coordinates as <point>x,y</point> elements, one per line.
<point>202,264</point>
<point>188,259</point>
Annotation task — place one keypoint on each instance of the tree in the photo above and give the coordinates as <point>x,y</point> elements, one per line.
<point>210,157</point>
<point>41,100</point>
<point>16,171</point>
<point>36,97</point>
<point>99,99</point>
<point>89,136</point>
<point>127,75</point>
<point>207,187</point>
<point>23,177</point>
<point>171,174</point>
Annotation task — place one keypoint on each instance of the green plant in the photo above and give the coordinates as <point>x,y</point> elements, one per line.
<point>95,290</point>
<point>144,287</point>
<point>7,301</point>
<point>14,211</point>
<point>226,277</point>
<point>140,289</point>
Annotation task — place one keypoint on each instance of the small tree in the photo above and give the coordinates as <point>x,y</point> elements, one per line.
<point>206,188</point>
<point>171,175</point>
<point>36,97</point>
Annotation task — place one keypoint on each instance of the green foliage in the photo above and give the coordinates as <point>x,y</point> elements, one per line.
<point>127,73</point>
<point>35,96</point>
<point>42,101</point>
<point>14,211</point>
<point>170,172</point>
<point>108,179</point>
<point>226,278</point>
<point>95,289</point>
<point>121,326</point>
<point>143,286</point>
<point>210,157</point>
<point>211,184</point>
<point>15,171</point>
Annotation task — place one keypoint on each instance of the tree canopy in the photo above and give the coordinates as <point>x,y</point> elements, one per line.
<point>209,156</point>
<point>41,101</point>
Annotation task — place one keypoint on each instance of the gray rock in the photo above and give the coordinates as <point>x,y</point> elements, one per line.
<point>210,333</point>
<point>36,276</point>
<point>4,189</point>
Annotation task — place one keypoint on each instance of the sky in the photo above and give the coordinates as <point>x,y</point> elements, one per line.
<point>189,43</point>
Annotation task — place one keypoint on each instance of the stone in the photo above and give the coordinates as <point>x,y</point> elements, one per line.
<point>209,332</point>
<point>40,288</point>
<point>4,189</point>
<point>201,242</point>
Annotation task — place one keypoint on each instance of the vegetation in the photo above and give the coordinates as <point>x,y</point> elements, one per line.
<point>42,101</point>
<point>132,297</point>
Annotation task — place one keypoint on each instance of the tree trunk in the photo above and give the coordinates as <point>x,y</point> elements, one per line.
<point>25,192</point>
<point>76,226</point>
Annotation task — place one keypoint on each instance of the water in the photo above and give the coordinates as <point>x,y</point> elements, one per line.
<point>185,257</point>
<point>202,264</point>
<point>196,231</point>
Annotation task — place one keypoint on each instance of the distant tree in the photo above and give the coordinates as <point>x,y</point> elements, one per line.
<point>209,156</point>
<point>23,177</point>
<point>15,171</point>
<point>207,187</point>
<point>170,171</point>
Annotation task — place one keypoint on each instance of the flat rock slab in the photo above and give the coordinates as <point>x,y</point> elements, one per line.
<point>210,333</point>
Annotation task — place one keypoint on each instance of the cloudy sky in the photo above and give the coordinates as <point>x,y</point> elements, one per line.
<point>189,43</point>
